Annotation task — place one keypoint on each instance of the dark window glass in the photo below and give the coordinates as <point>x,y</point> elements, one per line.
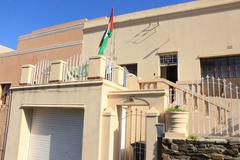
<point>224,67</point>
<point>132,68</point>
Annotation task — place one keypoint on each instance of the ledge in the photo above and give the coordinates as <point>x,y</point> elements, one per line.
<point>68,84</point>
<point>136,92</point>
<point>30,106</point>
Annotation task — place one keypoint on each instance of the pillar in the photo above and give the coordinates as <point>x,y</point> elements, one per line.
<point>119,75</point>
<point>27,74</point>
<point>151,133</point>
<point>97,67</point>
<point>57,71</point>
<point>108,129</point>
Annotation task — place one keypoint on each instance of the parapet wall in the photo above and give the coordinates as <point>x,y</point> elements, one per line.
<point>215,149</point>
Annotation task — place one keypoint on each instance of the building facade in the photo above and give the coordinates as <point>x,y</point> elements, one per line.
<point>174,41</point>
<point>86,110</point>
<point>40,46</point>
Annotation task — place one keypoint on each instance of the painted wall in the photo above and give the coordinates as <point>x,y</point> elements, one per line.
<point>59,95</point>
<point>192,30</point>
<point>53,43</point>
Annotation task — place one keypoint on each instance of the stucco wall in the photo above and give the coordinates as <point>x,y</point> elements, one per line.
<point>58,95</point>
<point>54,43</point>
<point>62,33</point>
<point>140,36</point>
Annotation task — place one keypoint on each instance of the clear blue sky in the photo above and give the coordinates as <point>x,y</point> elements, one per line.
<point>18,17</point>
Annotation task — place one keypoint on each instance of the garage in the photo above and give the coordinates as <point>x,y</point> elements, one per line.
<point>56,134</point>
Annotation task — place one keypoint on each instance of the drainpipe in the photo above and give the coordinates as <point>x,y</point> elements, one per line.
<point>6,126</point>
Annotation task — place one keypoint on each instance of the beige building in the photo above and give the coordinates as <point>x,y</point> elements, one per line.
<point>183,35</point>
<point>40,46</point>
<point>90,108</point>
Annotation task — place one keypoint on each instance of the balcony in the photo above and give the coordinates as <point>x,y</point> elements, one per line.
<point>74,69</point>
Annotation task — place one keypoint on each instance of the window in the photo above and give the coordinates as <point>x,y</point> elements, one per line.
<point>224,67</point>
<point>166,60</point>
<point>132,68</point>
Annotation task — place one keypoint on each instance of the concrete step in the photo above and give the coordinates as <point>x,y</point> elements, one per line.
<point>172,135</point>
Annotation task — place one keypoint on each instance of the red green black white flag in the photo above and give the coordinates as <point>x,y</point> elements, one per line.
<point>107,35</point>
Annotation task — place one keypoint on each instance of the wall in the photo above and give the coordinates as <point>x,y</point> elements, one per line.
<point>215,149</point>
<point>58,95</point>
<point>53,43</point>
<point>192,30</point>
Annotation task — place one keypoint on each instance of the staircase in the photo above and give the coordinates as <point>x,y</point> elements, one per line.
<point>213,104</point>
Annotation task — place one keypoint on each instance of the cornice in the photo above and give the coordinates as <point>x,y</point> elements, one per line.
<point>37,35</point>
<point>50,47</point>
<point>165,13</point>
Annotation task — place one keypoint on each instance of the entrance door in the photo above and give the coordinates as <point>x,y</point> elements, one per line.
<point>169,73</point>
<point>168,67</point>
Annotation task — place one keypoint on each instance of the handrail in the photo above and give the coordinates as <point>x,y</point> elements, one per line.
<point>174,85</point>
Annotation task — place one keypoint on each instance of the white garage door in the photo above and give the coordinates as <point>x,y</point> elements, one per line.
<point>56,134</point>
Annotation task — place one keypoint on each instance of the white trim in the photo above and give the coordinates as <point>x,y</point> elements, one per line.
<point>54,46</point>
<point>36,35</point>
<point>26,106</point>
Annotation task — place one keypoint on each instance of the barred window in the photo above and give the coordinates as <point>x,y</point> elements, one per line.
<point>222,67</point>
<point>166,60</point>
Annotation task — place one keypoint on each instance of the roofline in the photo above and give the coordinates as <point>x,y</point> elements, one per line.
<point>45,48</point>
<point>37,35</point>
<point>167,12</point>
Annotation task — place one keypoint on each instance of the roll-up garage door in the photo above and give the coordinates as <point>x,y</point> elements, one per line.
<point>56,134</point>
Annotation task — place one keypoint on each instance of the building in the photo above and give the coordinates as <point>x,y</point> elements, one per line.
<point>56,42</point>
<point>40,46</point>
<point>4,49</point>
<point>85,110</point>
<point>173,41</point>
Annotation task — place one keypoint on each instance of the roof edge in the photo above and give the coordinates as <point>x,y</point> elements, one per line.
<point>188,7</point>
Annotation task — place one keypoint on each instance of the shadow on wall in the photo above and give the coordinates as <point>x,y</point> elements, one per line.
<point>144,34</point>
<point>116,144</point>
<point>156,49</point>
<point>231,129</point>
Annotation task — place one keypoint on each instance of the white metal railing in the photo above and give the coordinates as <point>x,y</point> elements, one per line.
<point>109,72</point>
<point>76,68</point>
<point>125,77</point>
<point>213,104</point>
<point>41,73</point>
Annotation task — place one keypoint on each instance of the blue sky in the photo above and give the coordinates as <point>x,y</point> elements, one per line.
<point>18,17</point>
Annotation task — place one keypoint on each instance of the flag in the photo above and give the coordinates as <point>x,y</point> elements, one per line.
<point>107,35</point>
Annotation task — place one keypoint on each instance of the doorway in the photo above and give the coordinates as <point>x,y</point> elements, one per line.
<point>168,67</point>
<point>169,73</point>
<point>132,132</point>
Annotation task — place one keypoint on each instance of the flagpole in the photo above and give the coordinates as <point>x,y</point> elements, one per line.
<point>112,43</point>
<point>114,46</point>
<point>111,48</point>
